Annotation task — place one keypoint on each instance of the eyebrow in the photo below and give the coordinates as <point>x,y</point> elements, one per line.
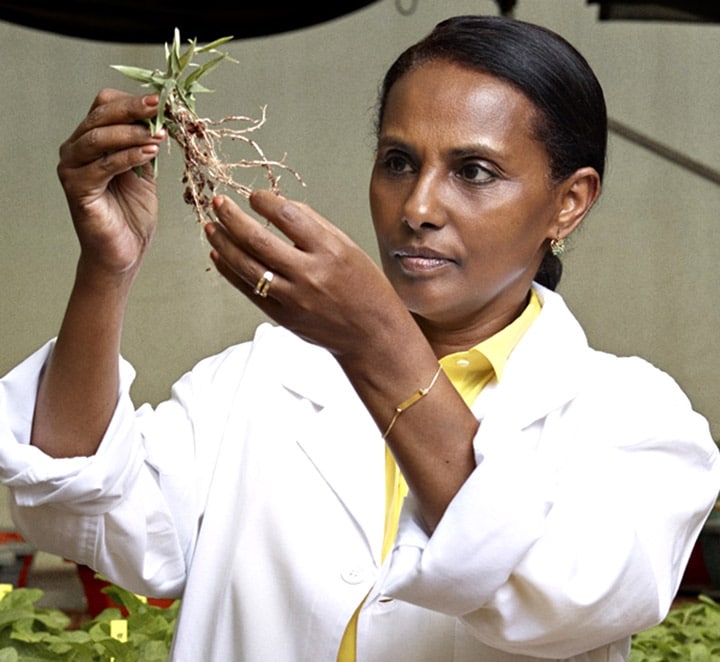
<point>471,149</point>
<point>388,141</point>
<point>478,148</point>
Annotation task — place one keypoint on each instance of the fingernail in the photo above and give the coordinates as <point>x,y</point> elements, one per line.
<point>151,100</point>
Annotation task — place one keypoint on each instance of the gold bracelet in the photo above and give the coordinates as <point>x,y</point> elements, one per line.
<point>406,404</point>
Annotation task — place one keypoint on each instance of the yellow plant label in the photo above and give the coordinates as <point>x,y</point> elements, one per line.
<point>118,629</point>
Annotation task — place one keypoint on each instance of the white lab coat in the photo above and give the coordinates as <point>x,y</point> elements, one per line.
<point>257,494</point>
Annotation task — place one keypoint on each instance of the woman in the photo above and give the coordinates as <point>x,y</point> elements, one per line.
<point>269,492</point>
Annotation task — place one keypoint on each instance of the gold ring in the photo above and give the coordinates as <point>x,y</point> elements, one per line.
<point>263,285</point>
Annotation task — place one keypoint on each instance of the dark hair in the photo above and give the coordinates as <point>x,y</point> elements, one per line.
<point>571,117</point>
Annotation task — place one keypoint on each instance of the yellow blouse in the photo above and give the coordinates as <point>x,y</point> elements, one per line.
<point>469,371</point>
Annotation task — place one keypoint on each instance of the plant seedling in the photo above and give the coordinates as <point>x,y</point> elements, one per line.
<point>201,139</point>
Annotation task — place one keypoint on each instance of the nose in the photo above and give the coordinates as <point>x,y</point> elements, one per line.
<point>422,208</point>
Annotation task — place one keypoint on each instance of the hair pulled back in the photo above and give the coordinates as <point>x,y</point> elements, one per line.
<point>571,117</point>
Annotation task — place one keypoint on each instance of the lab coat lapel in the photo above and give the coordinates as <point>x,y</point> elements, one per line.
<point>543,373</point>
<point>343,443</point>
<point>545,370</point>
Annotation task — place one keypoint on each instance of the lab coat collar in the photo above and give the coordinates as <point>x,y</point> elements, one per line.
<point>544,371</point>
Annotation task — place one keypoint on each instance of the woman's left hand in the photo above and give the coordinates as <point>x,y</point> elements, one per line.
<point>324,287</point>
<point>327,290</point>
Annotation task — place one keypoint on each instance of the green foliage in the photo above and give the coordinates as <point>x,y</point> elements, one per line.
<point>33,634</point>
<point>177,85</point>
<point>201,140</point>
<point>690,633</point>
<point>180,82</point>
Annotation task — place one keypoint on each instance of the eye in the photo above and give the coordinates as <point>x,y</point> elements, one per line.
<point>474,173</point>
<point>396,163</point>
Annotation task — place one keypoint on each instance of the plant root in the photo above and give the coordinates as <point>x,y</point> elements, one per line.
<point>205,172</point>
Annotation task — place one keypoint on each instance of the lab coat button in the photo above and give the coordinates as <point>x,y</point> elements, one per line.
<point>354,575</point>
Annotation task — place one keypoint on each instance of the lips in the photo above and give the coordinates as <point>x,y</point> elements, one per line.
<point>421,259</point>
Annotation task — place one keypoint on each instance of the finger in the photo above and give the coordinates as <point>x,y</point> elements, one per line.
<point>116,107</point>
<point>79,176</point>
<point>297,221</point>
<point>116,121</point>
<point>265,297</point>
<point>242,240</point>
<point>247,268</point>
<point>111,149</point>
<point>229,273</point>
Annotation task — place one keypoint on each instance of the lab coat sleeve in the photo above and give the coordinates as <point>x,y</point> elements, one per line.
<point>83,485</point>
<point>556,547</point>
<point>129,511</point>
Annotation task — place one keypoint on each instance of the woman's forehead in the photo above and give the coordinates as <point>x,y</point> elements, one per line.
<point>460,104</point>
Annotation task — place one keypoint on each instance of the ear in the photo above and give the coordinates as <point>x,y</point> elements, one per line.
<point>576,196</point>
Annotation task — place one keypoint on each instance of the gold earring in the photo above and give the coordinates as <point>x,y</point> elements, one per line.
<point>557,246</point>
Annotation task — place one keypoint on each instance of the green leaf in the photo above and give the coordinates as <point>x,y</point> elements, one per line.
<point>186,99</point>
<point>214,44</point>
<point>173,55</point>
<point>187,56</point>
<point>124,598</point>
<point>165,93</point>
<point>689,633</point>
<point>204,69</point>
<point>21,598</point>
<point>198,88</point>
<point>144,76</point>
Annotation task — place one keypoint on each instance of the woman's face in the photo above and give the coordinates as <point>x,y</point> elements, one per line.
<point>461,198</point>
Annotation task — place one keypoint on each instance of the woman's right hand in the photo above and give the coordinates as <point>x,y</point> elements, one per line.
<point>114,210</point>
<point>115,214</point>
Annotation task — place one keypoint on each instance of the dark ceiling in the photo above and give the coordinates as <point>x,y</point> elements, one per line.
<point>153,21</point>
<point>659,10</point>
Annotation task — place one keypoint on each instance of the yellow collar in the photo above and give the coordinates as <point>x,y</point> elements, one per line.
<point>471,369</point>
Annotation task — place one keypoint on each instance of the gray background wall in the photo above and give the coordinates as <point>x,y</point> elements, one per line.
<point>641,275</point>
